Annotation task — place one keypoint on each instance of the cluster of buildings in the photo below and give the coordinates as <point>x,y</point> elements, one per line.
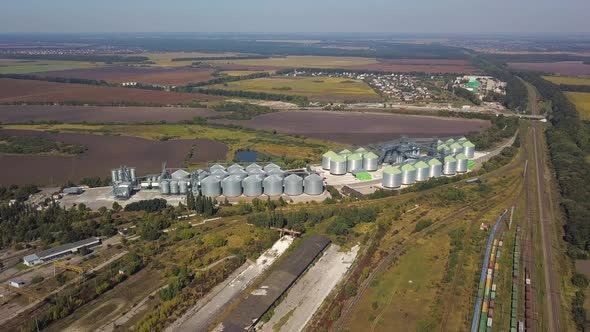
<point>480,85</point>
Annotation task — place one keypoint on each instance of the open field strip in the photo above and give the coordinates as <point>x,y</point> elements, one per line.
<point>582,102</point>
<point>13,66</point>
<point>567,80</point>
<point>303,61</point>
<point>165,59</point>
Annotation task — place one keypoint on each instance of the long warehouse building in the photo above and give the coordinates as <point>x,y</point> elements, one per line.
<point>59,251</point>
<point>249,311</point>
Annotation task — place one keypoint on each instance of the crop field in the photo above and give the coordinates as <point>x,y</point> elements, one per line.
<point>582,102</point>
<point>243,72</point>
<point>99,114</point>
<point>308,61</point>
<point>104,152</point>
<point>150,75</point>
<point>315,88</point>
<point>165,59</point>
<point>16,91</point>
<point>564,68</point>
<point>13,66</point>
<point>567,80</point>
<point>361,128</point>
<point>434,66</point>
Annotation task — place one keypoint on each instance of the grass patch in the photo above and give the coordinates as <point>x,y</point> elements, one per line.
<point>582,102</point>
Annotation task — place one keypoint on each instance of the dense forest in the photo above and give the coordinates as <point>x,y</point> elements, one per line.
<point>569,143</point>
<point>468,95</point>
<point>242,111</point>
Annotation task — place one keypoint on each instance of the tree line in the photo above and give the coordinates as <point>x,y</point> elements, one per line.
<point>37,144</point>
<point>210,58</point>
<point>68,80</point>
<point>201,204</point>
<point>242,111</point>
<point>221,80</point>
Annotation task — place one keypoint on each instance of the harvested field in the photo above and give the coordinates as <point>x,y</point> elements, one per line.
<point>150,75</point>
<point>565,68</point>
<point>361,128</point>
<point>104,153</point>
<point>420,65</point>
<point>582,102</point>
<point>38,91</point>
<point>98,114</point>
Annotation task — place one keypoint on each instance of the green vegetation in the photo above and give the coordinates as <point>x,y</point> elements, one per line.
<point>299,100</point>
<point>567,80</point>
<point>242,111</point>
<point>578,310</point>
<point>95,181</point>
<point>468,95</point>
<point>502,128</point>
<point>422,224</point>
<point>149,205</point>
<point>36,145</point>
<point>222,80</point>
<point>582,102</point>
<point>83,58</point>
<point>8,66</point>
<point>67,80</point>
<point>201,204</point>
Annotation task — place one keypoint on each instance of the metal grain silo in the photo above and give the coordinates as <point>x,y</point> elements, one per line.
<point>326,157</point>
<point>219,173</point>
<point>354,162</point>
<point>392,177</point>
<point>469,149</point>
<point>211,186</point>
<point>450,165</point>
<point>277,172</point>
<point>270,167</point>
<point>203,175</point>
<point>239,172</point>
<point>462,140</point>
<point>370,162</point>
<point>313,184</point>
<point>114,175</point>
<point>435,170</point>
<point>252,186</point>
<point>273,185</point>
<point>165,187</point>
<point>338,165</point>
<point>443,148</point>
<point>180,174</point>
<point>253,166</point>
<point>231,186</point>
<point>132,173</point>
<point>422,171</point>
<point>215,167</point>
<point>449,141</point>
<point>293,185</point>
<point>345,153</point>
<point>408,174</point>
<point>257,171</point>
<point>183,187</point>
<point>456,148</point>
<point>120,174</point>
<point>461,163</point>
<point>234,167</point>
<point>174,187</point>
<point>361,151</point>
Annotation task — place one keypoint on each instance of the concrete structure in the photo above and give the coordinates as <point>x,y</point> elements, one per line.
<point>392,177</point>
<point>313,184</point>
<point>59,251</point>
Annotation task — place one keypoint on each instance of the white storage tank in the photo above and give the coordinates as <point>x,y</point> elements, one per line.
<point>257,171</point>
<point>165,187</point>
<point>449,141</point>
<point>345,153</point>
<point>392,177</point>
<point>456,148</point>
<point>252,186</point>
<point>354,162</point>
<point>219,173</point>
<point>203,175</point>
<point>370,162</point>
<point>180,174</point>
<point>252,167</point>
<point>450,166</point>
<point>270,167</point>
<point>469,149</point>
<point>443,148</point>
<point>313,184</point>
<point>231,186</point>
<point>183,187</point>
<point>211,186</point>
<point>174,187</point>
<point>273,185</point>
<point>435,170</point>
<point>115,175</point>
<point>326,157</point>
<point>360,151</point>
<point>276,172</point>
<point>338,165</point>
<point>293,185</point>
<point>234,167</point>
<point>215,167</point>
<point>239,173</point>
<point>422,171</point>
<point>461,163</point>
<point>408,174</point>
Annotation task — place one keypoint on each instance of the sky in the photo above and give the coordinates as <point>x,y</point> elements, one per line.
<point>268,16</point>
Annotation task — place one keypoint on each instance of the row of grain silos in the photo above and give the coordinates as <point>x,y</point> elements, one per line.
<point>347,161</point>
<point>456,147</point>
<point>409,173</point>
<point>236,180</point>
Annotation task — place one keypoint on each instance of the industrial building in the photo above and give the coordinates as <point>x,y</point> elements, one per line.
<point>59,251</point>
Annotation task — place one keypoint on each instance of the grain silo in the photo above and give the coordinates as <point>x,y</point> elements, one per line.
<point>132,173</point>
<point>435,166</point>
<point>183,187</point>
<point>469,149</point>
<point>174,187</point>
<point>293,185</point>
<point>392,177</point>
<point>115,175</point>
<point>461,163</point>
<point>252,186</point>
<point>408,174</point>
<point>252,167</point>
<point>361,151</point>
<point>326,157</point>
<point>270,167</point>
<point>449,141</point>
<point>273,185</point>
<point>443,148</point>
<point>211,186</point>
<point>180,174</point>
<point>239,173</point>
<point>231,186</point>
<point>422,171</point>
<point>462,140</point>
<point>370,162</point>
<point>219,173</point>
<point>450,165</point>
<point>338,165</point>
<point>313,184</point>
<point>234,167</point>
<point>165,187</point>
<point>203,175</point>
<point>456,148</point>
<point>354,162</point>
<point>215,167</point>
<point>277,172</point>
<point>257,171</point>
<point>345,153</point>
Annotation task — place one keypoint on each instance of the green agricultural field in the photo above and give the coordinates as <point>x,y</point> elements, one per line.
<point>567,80</point>
<point>244,72</point>
<point>165,59</point>
<point>315,88</point>
<point>582,102</point>
<point>11,66</point>
<point>304,61</point>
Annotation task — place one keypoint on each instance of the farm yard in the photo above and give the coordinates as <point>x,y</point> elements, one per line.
<point>13,66</point>
<point>322,89</point>
<point>98,114</point>
<point>360,128</point>
<point>21,91</point>
<point>582,102</point>
<point>149,75</point>
<point>564,68</point>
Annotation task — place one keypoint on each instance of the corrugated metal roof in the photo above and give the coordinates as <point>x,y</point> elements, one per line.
<point>408,167</point>
<point>67,247</point>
